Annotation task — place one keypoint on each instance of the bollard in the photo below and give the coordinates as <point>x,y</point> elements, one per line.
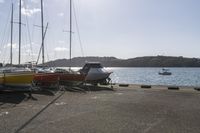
<point>123,85</point>
<point>173,88</point>
<point>145,86</point>
<point>197,89</point>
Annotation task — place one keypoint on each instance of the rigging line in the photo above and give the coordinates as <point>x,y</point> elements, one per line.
<point>6,58</point>
<point>47,54</point>
<point>6,52</point>
<point>29,35</point>
<point>70,35</point>
<point>5,29</point>
<point>34,22</point>
<point>39,55</point>
<point>25,48</point>
<point>46,48</point>
<point>77,27</point>
<point>11,38</point>
<point>23,41</point>
<point>14,2</point>
<point>4,33</point>
<point>42,24</point>
<point>41,45</point>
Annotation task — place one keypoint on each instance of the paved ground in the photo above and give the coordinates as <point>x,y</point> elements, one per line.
<point>124,110</point>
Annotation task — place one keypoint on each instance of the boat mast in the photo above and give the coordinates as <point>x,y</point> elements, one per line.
<point>42,24</point>
<point>70,35</point>
<point>11,37</point>
<point>20,5</point>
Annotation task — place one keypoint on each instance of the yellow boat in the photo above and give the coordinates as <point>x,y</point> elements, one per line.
<point>17,77</point>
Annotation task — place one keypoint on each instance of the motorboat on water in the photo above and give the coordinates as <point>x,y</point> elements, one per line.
<point>95,73</point>
<point>165,72</point>
<point>16,77</point>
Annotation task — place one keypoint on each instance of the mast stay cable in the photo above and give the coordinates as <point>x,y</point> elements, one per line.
<point>4,34</point>
<point>77,27</point>
<point>29,35</point>
<point>41,44</point>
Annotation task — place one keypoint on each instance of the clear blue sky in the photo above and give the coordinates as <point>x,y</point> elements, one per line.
<point>120,28</point>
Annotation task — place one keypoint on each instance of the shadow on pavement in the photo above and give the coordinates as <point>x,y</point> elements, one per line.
<point>12,98</point>
<point>85,88</point>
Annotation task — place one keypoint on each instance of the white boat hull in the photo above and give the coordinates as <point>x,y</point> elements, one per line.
<point>95,74</point>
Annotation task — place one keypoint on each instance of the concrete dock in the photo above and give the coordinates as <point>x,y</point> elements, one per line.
<point>129,109</point>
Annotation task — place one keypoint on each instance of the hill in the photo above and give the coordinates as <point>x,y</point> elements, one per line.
<point>147,61</point>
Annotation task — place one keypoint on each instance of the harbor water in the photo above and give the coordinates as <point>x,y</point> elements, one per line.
<point>150,76</point>
<point>189,76</point>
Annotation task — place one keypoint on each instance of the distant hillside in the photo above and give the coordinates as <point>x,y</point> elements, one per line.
<point>147,61</point>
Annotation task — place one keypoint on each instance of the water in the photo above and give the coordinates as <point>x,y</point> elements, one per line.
<point>150,76</point>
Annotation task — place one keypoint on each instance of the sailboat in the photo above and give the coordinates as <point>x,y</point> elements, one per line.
<point>91,72</point>
<point>71,76</point>
<point>18,76</point>
<point>45,77</point>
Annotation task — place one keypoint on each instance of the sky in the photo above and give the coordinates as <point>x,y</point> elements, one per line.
<point>119,28</point>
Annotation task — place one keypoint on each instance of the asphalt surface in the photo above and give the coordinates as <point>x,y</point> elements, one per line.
<point>122,110</point>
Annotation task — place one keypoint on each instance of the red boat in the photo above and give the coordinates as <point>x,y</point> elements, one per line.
<point>54,79</point>
<point>46,79</point>
<point>71,78</point>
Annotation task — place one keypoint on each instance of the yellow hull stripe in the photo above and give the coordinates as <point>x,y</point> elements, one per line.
<point>16,78</point>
